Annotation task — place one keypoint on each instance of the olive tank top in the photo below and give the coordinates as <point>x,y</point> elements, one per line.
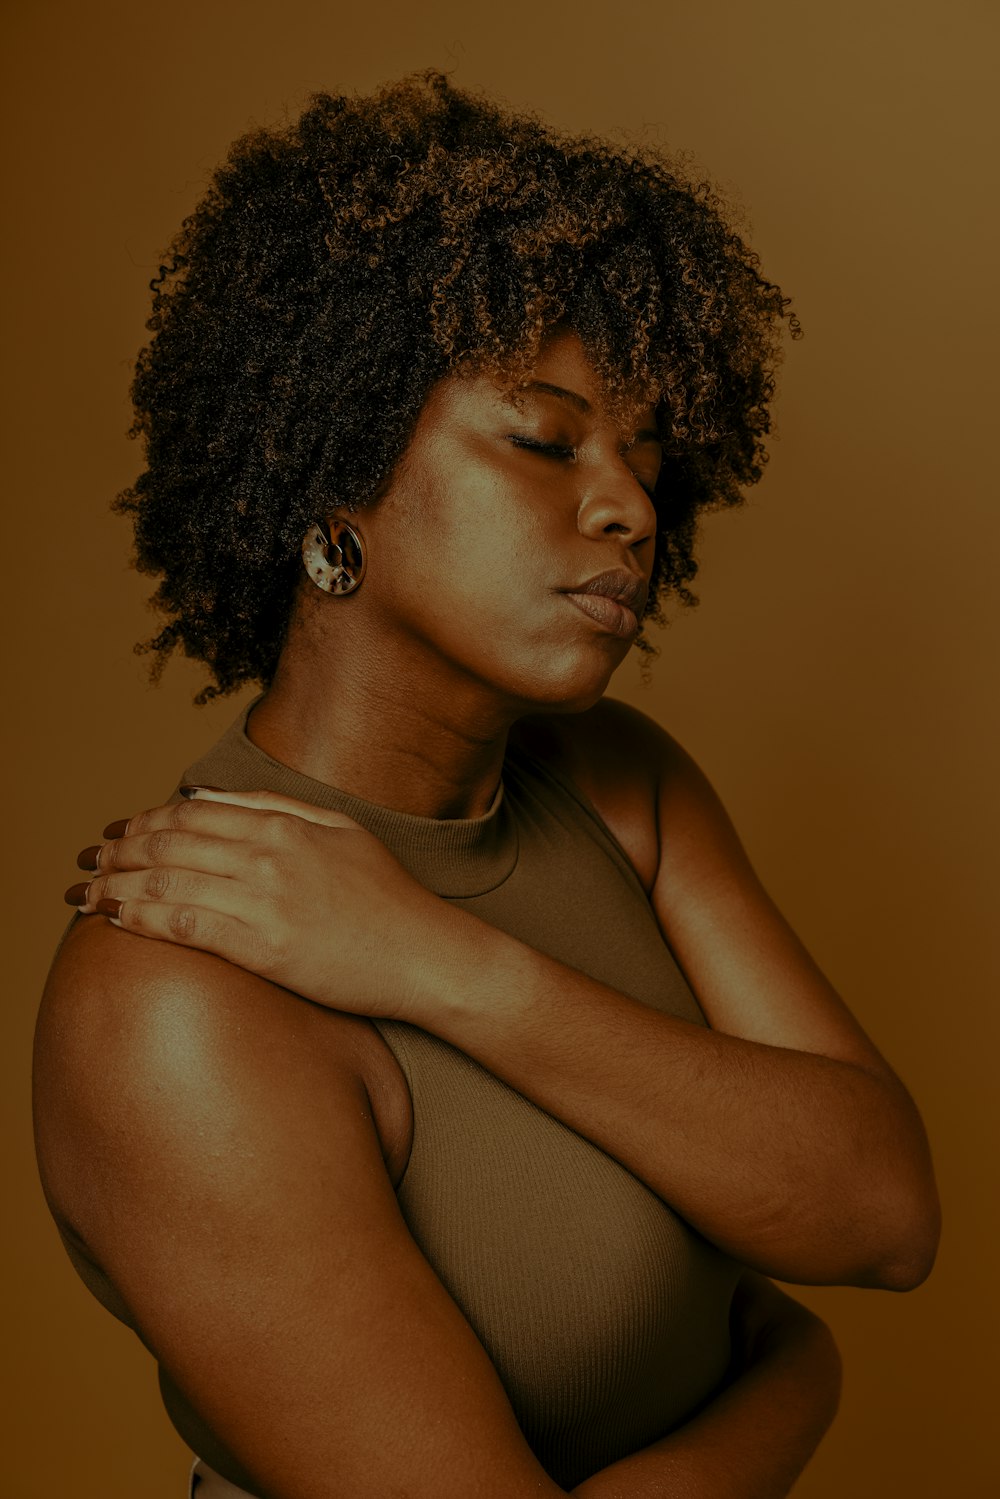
<point>605,1315</point>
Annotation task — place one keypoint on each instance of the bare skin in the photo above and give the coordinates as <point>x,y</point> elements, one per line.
<point>784,1077</point>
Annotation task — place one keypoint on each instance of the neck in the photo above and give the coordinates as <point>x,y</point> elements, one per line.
<point>365,728</point>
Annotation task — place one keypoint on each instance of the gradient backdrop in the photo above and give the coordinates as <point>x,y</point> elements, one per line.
<point>835,682</point>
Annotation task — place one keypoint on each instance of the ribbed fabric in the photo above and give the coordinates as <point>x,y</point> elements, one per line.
<point>604,1314</point>
<point>451,856</point>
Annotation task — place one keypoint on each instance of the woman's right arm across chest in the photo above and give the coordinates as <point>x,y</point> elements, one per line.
<point>212,1142</point>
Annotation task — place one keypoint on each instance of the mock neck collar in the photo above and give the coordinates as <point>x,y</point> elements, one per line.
<point>453,856</point>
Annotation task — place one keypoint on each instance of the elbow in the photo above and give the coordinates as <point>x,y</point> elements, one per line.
<point>909,1245</point>
<point>910,1267</point>
<point>905,1208</point>
<point>905,1275</point>
<point>885,1240</point>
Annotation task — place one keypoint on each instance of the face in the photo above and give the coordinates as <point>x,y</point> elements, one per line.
<point>487,551</point>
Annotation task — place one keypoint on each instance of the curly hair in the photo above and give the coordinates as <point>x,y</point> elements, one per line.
<point>338,268</point>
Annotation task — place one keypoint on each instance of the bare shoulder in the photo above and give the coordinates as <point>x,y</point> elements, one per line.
<point>216,1156</point>
<point>619,757</point>
<point>134,1037</point>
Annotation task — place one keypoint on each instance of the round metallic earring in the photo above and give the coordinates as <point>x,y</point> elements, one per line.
<point>333,556</point>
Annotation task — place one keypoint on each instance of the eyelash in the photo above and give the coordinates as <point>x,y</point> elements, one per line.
<point>553,450</point>
<point>550,449</point>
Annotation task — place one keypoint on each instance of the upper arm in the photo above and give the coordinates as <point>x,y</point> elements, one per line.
<point>752,975</point>
<point>220,1161</point>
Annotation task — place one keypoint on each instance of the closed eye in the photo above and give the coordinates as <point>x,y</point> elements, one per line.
<point>550,449</point>
<point>556,450</point>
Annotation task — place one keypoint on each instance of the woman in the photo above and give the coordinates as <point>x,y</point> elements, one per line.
<point>375,1089</point>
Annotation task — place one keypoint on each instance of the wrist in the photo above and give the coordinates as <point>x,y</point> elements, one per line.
<point>468,976</point>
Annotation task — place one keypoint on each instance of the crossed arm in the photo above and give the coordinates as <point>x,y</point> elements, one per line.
<point>780,1133</point>
<point>211,1141</point>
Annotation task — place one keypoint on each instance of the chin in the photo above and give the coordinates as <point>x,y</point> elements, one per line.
<point>575,688</point>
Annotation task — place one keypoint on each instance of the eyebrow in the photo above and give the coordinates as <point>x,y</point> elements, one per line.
<point>580,403</point>
<point>571,396</point>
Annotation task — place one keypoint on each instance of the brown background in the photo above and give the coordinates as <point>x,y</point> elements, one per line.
<point>834,681</point>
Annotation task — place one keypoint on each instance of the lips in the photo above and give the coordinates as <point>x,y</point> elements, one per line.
<point>615,599</point>
<point>619,584</point>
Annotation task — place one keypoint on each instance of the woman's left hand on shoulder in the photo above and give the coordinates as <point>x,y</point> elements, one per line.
<point>300,895</point>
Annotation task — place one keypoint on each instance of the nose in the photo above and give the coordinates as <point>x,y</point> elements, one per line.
<point>617,504</point>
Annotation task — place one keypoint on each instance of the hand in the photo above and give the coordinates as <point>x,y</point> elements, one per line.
<point>755,1435</point>
<point>304,897</point>
<point>762,1319</point>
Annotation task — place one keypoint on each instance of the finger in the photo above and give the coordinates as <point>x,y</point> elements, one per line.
<point>175,848</point>
<point>262,824</point>
<point>258,846</point>
<point>270,801</point>
<point>170,887</point>
<point>190,926</point>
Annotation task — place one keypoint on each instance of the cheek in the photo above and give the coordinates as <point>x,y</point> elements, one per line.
<point>508,568</point>
<point>487,539</point>
<point>463,543</point>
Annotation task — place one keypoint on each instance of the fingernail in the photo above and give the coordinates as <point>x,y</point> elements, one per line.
<point>76,895</point>
<point>188,790</point>
<point>107,906</point>
<point>88,858</point>
<point>117,829</point>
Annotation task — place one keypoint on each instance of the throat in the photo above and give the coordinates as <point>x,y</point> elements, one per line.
<point>417,765</point>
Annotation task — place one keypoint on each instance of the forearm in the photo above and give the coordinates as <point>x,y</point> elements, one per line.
<point>755,1438</point>
<point>806,1168</point>
<point>778,1131</point>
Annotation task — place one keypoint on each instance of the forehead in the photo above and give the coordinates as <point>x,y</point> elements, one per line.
<point>562,362</point>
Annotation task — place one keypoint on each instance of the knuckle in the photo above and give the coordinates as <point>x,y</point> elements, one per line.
<point>158,846</point>
<point>158,883</point>
<point>179,814</point>
<point>183,923</point>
